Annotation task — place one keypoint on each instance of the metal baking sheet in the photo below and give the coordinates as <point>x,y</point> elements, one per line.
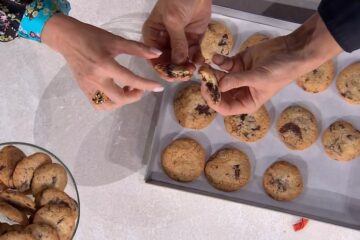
<point>331,188</point>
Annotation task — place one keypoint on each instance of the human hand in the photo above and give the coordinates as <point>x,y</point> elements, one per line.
<point>176,28</point>
<point>259,72</point>
<point>90,53</point>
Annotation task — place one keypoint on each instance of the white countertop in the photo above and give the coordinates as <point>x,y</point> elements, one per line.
<point>41,104</point>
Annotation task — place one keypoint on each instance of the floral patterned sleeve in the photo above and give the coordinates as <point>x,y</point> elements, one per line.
<point>27,18</point>
<point>11,13</point>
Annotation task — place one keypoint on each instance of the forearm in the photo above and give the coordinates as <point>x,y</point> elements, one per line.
<point>312,43</point>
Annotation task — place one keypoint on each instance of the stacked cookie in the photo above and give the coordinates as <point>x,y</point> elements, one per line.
<point>32,196</point>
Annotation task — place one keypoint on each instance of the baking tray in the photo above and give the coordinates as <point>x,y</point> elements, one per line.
<point>331,188</point>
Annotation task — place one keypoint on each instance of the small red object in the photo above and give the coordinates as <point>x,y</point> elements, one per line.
<point>301,224</point>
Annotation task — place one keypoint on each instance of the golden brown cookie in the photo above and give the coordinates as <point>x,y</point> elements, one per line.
<point>217,39</point>
<point>18,199</point>
<point>174,72</point>
<point>191,109</point>
<point>4,228</point>
<point>15,235</point>
<point>58,216</point>
<point>341,141</point>
<point>49,175</point>
<point>13,213</point>
<point>319,79</point>
<point>253,40</point>
<point>24,170</point>
<point>55,196</point>
<point>9,157</point>
<point>248,127</point>
<point>297,127</point>
<point>283,181</point>
<point>348,83</point>
<point>183,160</point>
<point>42,231</point>
<point>228,170</point>
<point>208,76</point>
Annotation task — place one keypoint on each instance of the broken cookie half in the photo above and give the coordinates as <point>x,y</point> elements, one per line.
<point>174,72</point>
<point>212,84</point>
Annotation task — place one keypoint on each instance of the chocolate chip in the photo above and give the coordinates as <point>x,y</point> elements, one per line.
<point>291,127</point>
<point>2,167</point>
<point>280,184</point>
<point>203,109</point>
<point>243,116</point>
<point>256,129</point>
<point>214,92</point>
<point>315,71</point>
<point>223,40</point>
<point>54,180</point>
<point>350,137</point>
<point>237,171</point>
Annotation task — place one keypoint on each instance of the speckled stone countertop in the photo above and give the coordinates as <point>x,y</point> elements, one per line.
<point>41,104</point>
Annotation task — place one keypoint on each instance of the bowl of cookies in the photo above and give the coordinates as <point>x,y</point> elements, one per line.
<point>38,194</point>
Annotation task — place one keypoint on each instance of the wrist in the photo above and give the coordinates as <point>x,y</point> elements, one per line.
<point>312,43</point>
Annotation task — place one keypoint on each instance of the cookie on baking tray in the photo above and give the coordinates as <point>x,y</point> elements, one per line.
<point>191,109</point>
<point>49,175</point>
<point>341,141</point>
<point>9,157</point>
<point>217,39</point>
<point>283,181</point>
<point>297,127</point>
<point>248,127</point>
<point>183,160</point>
<point>319,79</point>
<point>24,170</point>
<point>253,40</point>
<point>348,83</point>
<point>228,170</point>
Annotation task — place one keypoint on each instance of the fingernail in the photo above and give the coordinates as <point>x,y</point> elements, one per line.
<point>159,89</point>
<point>156,51</point>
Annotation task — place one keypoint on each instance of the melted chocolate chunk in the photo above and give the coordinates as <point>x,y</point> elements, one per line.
<point>315,71</point>
<point>256,129</point>
<point>291,127</point>
<point>203,109</point>
<point>223,40</point>
<point>237,171</point>
<point>214,92</point>
<point>280,184</point>
<point>243,116</point>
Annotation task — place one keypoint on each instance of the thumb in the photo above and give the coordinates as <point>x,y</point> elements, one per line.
<point>240,79</point>
<point>179,45</point>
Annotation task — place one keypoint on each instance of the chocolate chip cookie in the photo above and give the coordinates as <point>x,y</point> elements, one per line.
<point>24,170</point>
<point>253,40</point>
<point>341,141</point>
<point>42,231</point>
<point>183,160</point>
<point>283,181</point>
<point>348,83</point>
<point>172,72</point>
<point>217,39</point>
<point>212,84</point>
<point>319,79</point>
<point>248,127</point>
<point>49,175</point>
<point>18,199</point>
<point>228,170</point>
<point>13,213</point>
<point>9,157</point>
<point>4,228</point>
<point>15,235</point>
<point>191,109</point>
<point>297,127</point>
<point>58,216</point>
<point>55,196</point>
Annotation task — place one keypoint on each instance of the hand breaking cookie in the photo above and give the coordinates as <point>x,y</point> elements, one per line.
<point>210,78</point>
<point>173,72</point>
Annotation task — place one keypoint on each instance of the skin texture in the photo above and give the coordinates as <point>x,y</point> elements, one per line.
<point>176,28</point>
<point>90,51</point>
<point>277,61</point>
